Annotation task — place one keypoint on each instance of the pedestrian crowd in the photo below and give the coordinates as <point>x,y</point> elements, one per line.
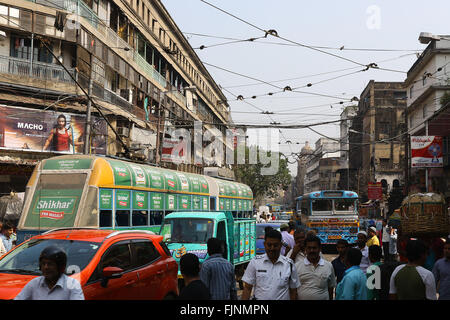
<point>295,269</point>
<point>366,271</point>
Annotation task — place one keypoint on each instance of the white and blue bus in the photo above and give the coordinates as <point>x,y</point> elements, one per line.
<point>332,214</point>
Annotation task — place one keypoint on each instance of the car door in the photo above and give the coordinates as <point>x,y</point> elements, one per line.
<point>150,271</point>
<point>123,288</point>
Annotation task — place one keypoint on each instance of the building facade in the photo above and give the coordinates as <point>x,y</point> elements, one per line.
<point>347,116</point>
<point>301,168</point>
<point>377,137</point>
<point>428,111</point>
<point>129,56</point>
<point>322,166</point>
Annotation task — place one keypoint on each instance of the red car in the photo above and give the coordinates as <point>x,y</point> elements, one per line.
<point>129,264</point>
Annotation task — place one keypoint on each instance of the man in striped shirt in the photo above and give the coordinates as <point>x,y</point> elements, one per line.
<point>217,273</point>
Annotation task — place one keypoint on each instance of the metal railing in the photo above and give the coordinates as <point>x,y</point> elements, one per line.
<point>37,70</point>
<point>149,69</point>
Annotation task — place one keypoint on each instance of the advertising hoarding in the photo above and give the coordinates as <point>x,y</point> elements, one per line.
<point>49,131</point>
<point>426,152</point>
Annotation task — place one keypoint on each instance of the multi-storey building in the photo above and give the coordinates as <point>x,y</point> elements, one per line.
<point>347,116</point>
<point>428,110</point>
<point>377,136</point>
<point>322,166</point>
<point>128,55</point>
<point>301,168</point>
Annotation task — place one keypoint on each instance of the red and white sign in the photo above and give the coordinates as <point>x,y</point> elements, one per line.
<point>171,183</point>
<point>51,214</point>
<point>426,152</point>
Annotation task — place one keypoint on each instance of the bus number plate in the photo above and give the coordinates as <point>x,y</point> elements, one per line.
<point>334,237</point>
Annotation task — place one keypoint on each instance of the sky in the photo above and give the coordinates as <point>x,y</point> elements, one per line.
<point>269,64</point>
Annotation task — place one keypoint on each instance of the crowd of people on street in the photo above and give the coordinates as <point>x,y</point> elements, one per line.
<point>370,270</point>
<point>292,268</point>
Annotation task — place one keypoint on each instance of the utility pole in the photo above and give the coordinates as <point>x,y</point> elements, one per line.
<point>87,131</point>
<point>162,114</point>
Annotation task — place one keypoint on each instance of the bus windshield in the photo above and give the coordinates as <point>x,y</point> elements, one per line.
<point>344,205</point>
<point>322,205</point>
<point>187,230</point>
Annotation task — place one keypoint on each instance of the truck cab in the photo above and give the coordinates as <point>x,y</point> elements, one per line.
<point>188,232</point>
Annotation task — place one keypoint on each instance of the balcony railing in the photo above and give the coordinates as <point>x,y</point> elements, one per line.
<point>149,69</point>
<point>37,70</point>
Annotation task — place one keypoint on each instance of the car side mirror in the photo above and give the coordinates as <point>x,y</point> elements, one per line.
<point>110,273</point>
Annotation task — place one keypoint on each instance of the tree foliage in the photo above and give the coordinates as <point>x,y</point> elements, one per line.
<point>263,185</point>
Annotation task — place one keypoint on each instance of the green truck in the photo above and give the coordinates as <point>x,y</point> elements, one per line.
<point>188,232</point>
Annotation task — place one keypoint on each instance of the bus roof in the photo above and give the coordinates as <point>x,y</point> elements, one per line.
<point>326,194</point>
<point>125,173</point>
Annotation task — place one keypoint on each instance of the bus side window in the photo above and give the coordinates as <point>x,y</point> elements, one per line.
<point>105,218</point>
<point>212,204</point>
<point>122,218</point>
<point>156,217</point>
<point>140,218</point>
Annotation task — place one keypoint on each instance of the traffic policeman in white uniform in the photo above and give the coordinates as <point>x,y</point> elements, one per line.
<point>273,276</point>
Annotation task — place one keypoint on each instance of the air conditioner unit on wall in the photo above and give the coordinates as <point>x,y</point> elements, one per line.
<point>123,131</point>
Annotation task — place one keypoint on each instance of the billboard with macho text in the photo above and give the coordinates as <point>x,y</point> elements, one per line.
<point>48,131</point>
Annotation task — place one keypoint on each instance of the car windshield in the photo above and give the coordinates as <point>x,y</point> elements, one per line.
<point>187,230</point>
<point>261,230</point>
<point>25,258</point>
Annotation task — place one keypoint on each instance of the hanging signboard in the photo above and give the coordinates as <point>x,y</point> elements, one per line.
<point>426,152</point>
<point>375,191</point>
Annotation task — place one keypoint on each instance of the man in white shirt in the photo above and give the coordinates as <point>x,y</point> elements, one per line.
<point>316,275</point>
<point>53,284</point>
<point>298,252</point>
<point>361,245</point>
<point>385,238</point>
<point>272,275</point>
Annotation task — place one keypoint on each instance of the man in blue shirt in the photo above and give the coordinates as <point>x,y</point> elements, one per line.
<point>217,273</point>
<point>338,263</point>
<point>6,235</point>
<point>441,272</point>
<point>353,285</point>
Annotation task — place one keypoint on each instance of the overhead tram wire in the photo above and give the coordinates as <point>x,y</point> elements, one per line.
<point>319,74</point>
<point>342,48</point>
<point>275,34</point>
<point>270,84</point>
<point>309,84</point>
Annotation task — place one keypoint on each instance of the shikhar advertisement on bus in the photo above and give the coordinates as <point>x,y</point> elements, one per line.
<point>49,131</point>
